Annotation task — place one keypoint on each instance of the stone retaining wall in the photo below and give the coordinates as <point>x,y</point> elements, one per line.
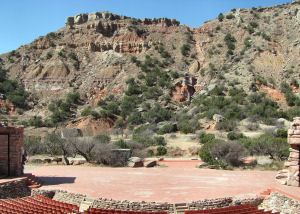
<point>14,189</point>
<point>277,202</point>
<point>104,203</point>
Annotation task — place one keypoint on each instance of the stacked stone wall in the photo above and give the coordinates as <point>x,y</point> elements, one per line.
<point>110,204</point>
<point>290,175</point>
<point>14,189</point>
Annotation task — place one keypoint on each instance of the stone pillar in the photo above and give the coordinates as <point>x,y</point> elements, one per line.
<point>290,175</point>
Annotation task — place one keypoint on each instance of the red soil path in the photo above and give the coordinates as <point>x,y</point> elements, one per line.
<point>165,184</point>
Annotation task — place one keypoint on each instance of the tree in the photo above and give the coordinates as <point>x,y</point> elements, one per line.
<point>84,146</point>
<point>57,145</point>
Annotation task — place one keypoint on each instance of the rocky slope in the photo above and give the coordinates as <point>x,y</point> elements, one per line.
<point>93,55</point>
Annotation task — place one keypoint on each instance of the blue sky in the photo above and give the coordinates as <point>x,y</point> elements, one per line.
<point>24,20</point>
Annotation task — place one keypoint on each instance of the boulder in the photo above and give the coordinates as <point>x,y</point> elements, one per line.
<point>36,160</point>
<point>218,118</point>
<point>135,162</point>
<point>57,160</point>
<point>150,163</point>
<point>201,165</point>
<point>194,68</point>
<point>47,160</point>
<point>78,162</point>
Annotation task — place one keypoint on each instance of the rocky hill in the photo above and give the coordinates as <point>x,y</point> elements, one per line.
<point>71,74</point>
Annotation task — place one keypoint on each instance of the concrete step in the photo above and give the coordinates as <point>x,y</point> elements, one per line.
<point>180,208</point>
<point>86,204</point>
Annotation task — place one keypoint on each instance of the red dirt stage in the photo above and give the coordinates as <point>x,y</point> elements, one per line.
<point>164,184</point>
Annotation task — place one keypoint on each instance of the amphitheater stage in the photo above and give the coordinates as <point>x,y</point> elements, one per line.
<point>162,184</point>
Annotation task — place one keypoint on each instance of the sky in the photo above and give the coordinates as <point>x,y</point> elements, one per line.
<point>22,21</point>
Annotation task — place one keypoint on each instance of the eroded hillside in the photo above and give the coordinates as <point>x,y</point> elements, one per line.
<point>145,62</point>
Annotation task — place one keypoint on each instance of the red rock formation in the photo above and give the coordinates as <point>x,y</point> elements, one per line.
<point>271,93</point>
<point>182,93</point>
<point>91,127</point>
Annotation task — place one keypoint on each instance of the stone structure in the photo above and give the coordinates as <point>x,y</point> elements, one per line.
<point>119,157</point>
<point>11,151</point>
<point>290,175</point>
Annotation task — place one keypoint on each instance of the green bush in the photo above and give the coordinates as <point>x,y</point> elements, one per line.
<point>103,138</point>
<point>234,136</point>
<point>185,49</point>
<point>135,118</point>
<point>281,133</point>
<point>73,98</point>
<point>295,83</point>
<point>220,17</point>
<point>186,129</point>
<point>161,150</point>
<point>230,16</point>
<point>247,42</point>
<point>150,152</point>
<point>275,147</point>
<point>168,128</point>
<point>254,24</point>
<point>73,56</point>
<point>206,138</point>
<point>159,140</point>
<point>266,37</point>
<point>121,144</point>
<point>36,121</point>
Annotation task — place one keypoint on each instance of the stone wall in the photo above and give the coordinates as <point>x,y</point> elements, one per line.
<point>14,189</point>
<point>290,175</point>
<point>277,202</point>
<point>111,204</point>
<point>11,151</point>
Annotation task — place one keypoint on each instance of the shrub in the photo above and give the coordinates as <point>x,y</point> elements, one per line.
<point>36,122</point>
<point>227,125</point>
<point>153,93</point>
<point>230,16</point>
<point>150,152</point>
<point>281,133</point>
<point>205,153</point>
<point>229,39</point>
<point>73,98</point>
<point>135,118</point>
<point>168,128</point>
<point>247,42</point>
<point>254,24</point>
<point>49,55</point>
<point>295,83</point>
<point>34,146</point>
<point>266,37</point>
<point>73,56</point>
<point>228,153</point>
<point>174,74</point>
<point>185,49</point>
<point>187,128</point>
<point>159,140</point>
<point>161,150</point>
<point>234,136</point>
<point>101,103</point>
<point>206,138</point>
<point>220,17</point>
<point>275,147</point>
<point>121,144</point>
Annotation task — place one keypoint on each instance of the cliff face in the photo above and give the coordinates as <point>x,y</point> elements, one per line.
<point>92,53</point>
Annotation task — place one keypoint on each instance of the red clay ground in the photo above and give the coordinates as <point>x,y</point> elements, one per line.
<point>164,184</point>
